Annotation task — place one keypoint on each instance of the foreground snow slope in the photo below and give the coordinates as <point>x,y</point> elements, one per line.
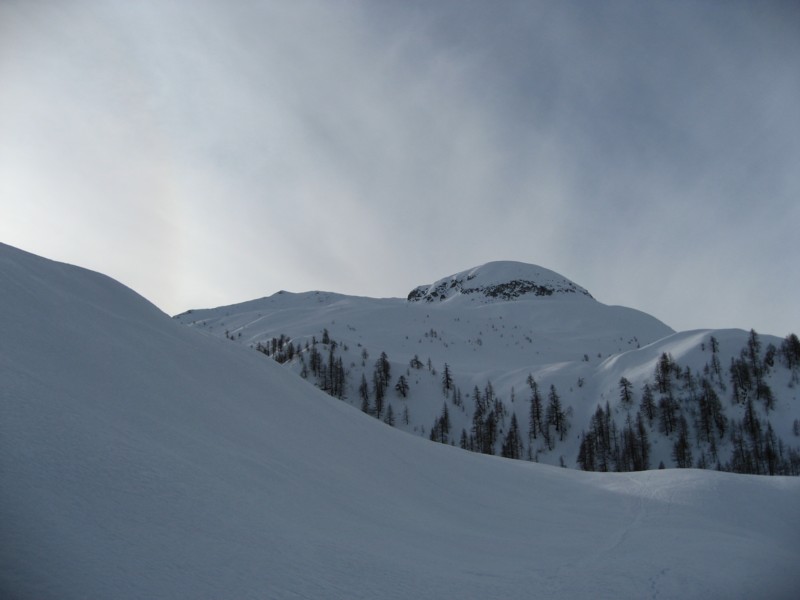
<point>140,458</point>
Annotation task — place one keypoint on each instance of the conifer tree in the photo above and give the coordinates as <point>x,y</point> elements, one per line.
<point>447,380</point>
<point>629,450</point>
<point>389,418</point>
<point>363,391</point>
<point>445,421</point>
<point>716,368</point>
<point>464,441</point>
<point>457,401</point>
<point>384,368</point>
<point>666,415</point>
<point>402,386</point>
<point>772,452</point>
<point>512,445</point>
<point>536,414</point>
<point>790,353</point>
<point>586,453</point>
<point>380,381</point>
<point>477,424</point>
<point>379,389</point>
<point>663,374</point>
<point>555,414</point>
<point>488,394</point>
<point>647,404</point>
<point>440,432</point>
<point>754,353</point>
<point>740,381</point>
<point>490,433</point>
<point>644,443</point>
<point>476,395</point>
<point>681,449</point>
<point>625,392</point>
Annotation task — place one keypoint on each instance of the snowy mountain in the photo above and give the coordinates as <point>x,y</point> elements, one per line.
<point>506,280</point>
<point>507,336</point>
<point>142,459</point>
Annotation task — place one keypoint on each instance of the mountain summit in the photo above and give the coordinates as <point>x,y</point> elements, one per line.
<point>499,280</point>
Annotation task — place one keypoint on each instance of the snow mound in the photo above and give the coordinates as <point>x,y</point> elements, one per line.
<point>498,281</point>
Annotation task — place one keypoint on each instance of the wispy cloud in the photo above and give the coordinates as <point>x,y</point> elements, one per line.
<point>207,153</point>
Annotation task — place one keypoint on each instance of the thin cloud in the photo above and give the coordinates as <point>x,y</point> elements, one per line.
<point>223,152</point>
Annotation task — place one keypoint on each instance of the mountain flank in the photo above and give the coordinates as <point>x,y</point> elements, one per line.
<point>516,360</point>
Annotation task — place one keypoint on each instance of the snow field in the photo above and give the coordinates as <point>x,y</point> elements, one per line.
<point>140,458</point>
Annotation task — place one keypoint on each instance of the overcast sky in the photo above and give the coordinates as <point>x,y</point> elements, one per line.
<point>206,153</point>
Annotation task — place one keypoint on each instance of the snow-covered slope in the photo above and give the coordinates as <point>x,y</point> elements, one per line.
<point>140,458</point>
<point>497,326</point>
<point>477,330</point>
